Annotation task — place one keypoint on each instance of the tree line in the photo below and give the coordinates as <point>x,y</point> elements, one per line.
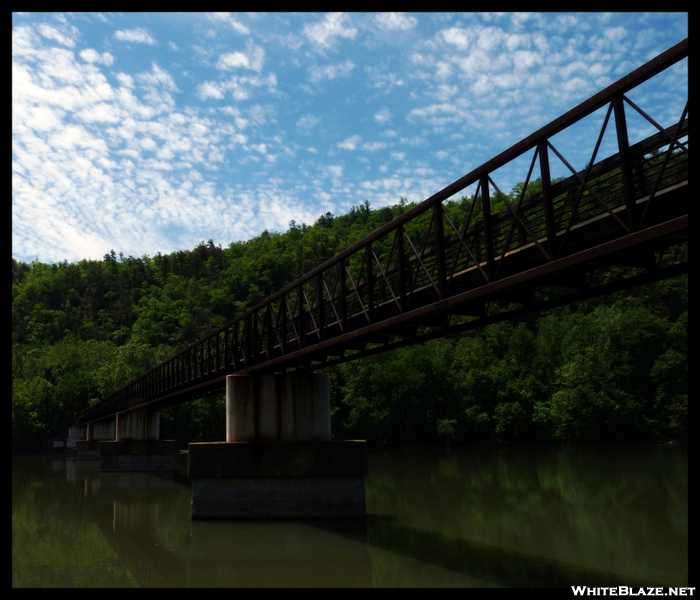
<point>611,369</point>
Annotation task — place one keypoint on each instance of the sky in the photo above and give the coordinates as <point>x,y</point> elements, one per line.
<point>152,132</point>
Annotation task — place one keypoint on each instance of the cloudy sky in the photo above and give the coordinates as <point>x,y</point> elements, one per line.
<point>148,133</point>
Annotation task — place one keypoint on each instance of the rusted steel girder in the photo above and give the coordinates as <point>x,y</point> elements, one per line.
<point>589,213</point>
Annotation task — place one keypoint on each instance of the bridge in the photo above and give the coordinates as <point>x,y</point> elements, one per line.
<point>443,267</point>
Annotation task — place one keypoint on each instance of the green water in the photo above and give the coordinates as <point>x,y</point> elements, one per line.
<point>474,517</point>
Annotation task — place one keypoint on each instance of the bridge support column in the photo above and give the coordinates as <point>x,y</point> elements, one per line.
<point>278,461</point>
<point>269,408</point>
<point>74,434</point>
<point>138,446</point>
<point>95,432</point>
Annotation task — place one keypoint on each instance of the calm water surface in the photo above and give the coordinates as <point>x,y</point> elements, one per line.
<point>474,517</point>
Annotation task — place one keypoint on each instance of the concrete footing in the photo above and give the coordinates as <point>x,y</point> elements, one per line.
<point>129,442</point>
<point>278,461</point>
<point>278,480</point>
<point>137,455</point>
<point>87,449</point>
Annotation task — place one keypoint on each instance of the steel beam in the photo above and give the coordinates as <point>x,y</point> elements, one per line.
<point>248,341</point>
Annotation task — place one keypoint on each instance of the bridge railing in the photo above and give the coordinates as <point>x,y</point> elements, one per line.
<point>440,248</point>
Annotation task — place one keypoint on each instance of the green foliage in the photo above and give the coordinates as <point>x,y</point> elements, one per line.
<point>446,429</point>
<point>609,369</point>
<point>202,420</point>
<point>613,372</point>
<point>395,398</point>
<point>53,384</point>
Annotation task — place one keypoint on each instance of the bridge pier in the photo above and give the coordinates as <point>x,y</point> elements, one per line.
<point>74,434</point>
<point>278,461</point>
<point>95,432</point>
<point>137,446</point>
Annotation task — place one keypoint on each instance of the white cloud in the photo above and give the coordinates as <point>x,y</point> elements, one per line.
<point>490,37</point>
<point>615,34</point>
<point>541,42</point>
<point>395,21</point>
<point>231,60</point>
<point>331,71</point>
<point>252,59</point>
<point>517,40</point>
<point>39,118</point>
<point>384,81</point>
<point>23,40</point>
<point>325,32</point>
<point>209,89</point>
<point>574,84</point>
<point>433,109</point>
<point>52,33</point>
<point>157,77</point>
<point>307,122</point>
<point>519,18</point>
<point>92,56</point>
<point>382,116</point>
<point>524,59</point>
<point>126,80</point>
<point>374,146</point>
<point>596,69</point>
<point>228,19</point>
<point>350,143</point>
<point>566,21</point>
<point>259,114</point>
<point>112,157</point>
<point>70,202</point>
<point>99,113</point>
<point>138,35</point>
<point>566,71</point>
<point>443,70</point>
<point>457,37</point>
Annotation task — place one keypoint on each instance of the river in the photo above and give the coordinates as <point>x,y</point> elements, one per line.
<point>436,517</point>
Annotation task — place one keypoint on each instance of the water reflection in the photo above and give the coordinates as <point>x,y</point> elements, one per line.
<point>436,517</point>
<point>278,554</point>
<point>539,516</point>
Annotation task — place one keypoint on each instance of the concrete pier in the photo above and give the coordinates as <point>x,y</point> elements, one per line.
<point>137,446</point>
<point>278,461</point>
<point>95,433</point>
<point>129,442</point>
<point>74,434</point>
<point>268,408</point>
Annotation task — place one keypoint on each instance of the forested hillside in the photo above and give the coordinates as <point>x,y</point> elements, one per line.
<point>612,369</point>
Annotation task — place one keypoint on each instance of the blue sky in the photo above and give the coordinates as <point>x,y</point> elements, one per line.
<point>148,133</point>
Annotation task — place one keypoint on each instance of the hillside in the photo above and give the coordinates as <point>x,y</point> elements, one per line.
<point>612,369</point>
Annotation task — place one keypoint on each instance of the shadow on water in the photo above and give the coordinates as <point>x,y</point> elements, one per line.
<point>497,565</point>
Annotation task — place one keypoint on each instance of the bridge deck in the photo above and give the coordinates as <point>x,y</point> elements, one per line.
<point>441,266</point>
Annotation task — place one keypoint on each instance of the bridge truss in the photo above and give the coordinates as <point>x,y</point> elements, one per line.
<point>445,266</point>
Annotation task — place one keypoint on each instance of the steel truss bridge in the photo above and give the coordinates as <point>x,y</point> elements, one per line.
<point>444,267</point>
